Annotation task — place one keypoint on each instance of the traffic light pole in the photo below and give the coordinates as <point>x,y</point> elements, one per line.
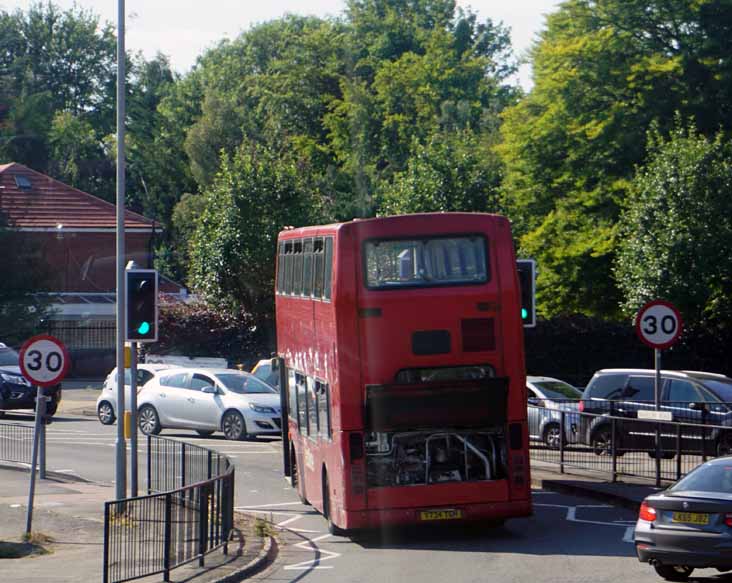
<point>120,470</point>
<point>133,419</point>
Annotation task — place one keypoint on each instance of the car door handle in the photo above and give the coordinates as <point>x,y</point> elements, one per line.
<point>191,400</point>
<point>163,395</point>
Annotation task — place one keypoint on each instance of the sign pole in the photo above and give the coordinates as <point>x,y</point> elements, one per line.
<point>34,458</point>
<point>41,410</point>
<point>657,397</point>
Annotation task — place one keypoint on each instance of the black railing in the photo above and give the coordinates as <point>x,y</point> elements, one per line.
<point>622,445</point>
<point>187,513</point>
<point>16,442</point>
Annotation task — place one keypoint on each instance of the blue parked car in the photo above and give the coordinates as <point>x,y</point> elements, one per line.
<point>547,398</point>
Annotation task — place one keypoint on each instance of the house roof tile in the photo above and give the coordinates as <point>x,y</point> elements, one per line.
<point>49,203</point>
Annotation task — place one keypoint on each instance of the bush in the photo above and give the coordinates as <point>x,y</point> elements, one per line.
<point>196,329</point>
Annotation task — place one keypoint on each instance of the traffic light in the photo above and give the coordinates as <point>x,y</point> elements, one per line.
<point>142,305</point>
<point>527,282</point>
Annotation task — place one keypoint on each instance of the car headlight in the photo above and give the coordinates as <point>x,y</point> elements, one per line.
<point>260,409</point>
<point>14,379</point>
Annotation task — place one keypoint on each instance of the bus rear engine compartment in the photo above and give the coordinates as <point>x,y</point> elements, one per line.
<point>411,458</point>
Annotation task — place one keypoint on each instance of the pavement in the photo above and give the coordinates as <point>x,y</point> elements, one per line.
<point>80,397</point>
<point>68,534</point>
<point>628,493</point>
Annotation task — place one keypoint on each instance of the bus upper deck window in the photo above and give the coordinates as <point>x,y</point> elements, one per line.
<point>426,262</point>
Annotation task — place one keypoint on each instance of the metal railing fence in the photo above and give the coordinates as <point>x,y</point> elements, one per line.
<point>16,442</point>
<point>187,513</point>
<point>624,446</point>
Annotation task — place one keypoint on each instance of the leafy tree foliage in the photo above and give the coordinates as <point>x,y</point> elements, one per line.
<point>676,239</point>
<point>257,192</point>
<point>604,70</point>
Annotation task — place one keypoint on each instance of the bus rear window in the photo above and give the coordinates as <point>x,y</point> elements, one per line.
<point>425,262</point>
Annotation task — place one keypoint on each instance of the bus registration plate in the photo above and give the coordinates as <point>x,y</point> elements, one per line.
<point>440,514</point>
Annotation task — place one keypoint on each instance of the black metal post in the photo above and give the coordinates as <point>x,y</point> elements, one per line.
<point>203,524</point>
<point>613,448</point>
<point>105,555</point>
<point>561,441</point>
<point>166,538</point>
<point>678,452</point>
<point>285,430</point>
<point>704,433</point>
<point>149,464</point>
<point>182,464</point>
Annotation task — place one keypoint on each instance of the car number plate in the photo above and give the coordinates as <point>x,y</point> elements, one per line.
<point>690,517</point>
<point>440,514</point>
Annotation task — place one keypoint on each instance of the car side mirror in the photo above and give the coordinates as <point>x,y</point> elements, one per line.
<point>698,406</point>
<point>210,390</point>
<point>536,402</point>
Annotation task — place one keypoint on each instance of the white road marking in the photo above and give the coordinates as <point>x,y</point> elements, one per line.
<point>572,517</point>
<point>313,563</point>
<point>268,505</point>
<point>290,520</point>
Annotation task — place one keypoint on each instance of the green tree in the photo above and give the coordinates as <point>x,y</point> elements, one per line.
<point>676,236</point>
<point>22,309</point>
<point>603,72</point>
<point>453,172</point>
<point>257,192</point>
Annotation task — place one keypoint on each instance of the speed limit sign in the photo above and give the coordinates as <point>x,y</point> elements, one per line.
<point>658,324</point>
<point>44,360</point>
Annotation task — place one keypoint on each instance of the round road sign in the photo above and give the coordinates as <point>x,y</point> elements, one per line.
<point>658,324</point>
<point>44,360</point>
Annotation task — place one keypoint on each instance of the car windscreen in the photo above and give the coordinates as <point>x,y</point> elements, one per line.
<point>244,384</point>
<point>711,477</point>
<point>8,357</point>
<point>721,388</point>
<point>555,390</point>
<point>425,262</point>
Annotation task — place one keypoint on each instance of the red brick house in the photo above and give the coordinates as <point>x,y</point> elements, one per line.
<point>74,233</point>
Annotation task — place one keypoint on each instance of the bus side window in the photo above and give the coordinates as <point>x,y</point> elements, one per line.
<point>307,271</point>
<point>328,266</point>
<point>324,409</point>
<point>318,264</point>
<point>302,411</point>
<point>280,267</point>
<point>312,408</point>
<point>292,394</point>
<point>288,267</point>
<point>297,276</point>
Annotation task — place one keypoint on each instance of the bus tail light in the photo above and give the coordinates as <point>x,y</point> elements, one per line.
<point>648,513</point>
<point>355,446</point>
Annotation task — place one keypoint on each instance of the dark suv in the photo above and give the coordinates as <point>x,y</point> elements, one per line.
<point>15,391</point>
<point>691,397</point>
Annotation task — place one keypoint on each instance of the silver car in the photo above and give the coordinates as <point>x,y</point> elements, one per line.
<point>209,400</point>
<point>107,400</point>
<point>546,398</point>
<point>689,525</point>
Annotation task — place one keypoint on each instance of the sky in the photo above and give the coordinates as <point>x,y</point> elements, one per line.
<point>183,29</point>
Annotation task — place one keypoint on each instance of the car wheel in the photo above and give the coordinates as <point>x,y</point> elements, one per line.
<point>552,436</point>
<point>295,476</point>
<point>674,572</point>
<point>233,426</point>
<point>105,412</point>
<point>204,433</point>
<point>51,409</point>
<point>602,442</point>
<point>665,455</point>
<point>148,420</point>
<point>332,528</point>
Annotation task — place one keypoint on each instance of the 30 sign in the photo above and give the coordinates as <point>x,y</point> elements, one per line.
<point>44,360</point>
<point>659,324</point>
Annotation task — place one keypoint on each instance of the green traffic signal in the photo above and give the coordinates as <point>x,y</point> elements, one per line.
<point>524,313</point>
<point>144,328</point>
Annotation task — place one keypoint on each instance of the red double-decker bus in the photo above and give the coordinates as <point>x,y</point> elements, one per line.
<point>403,346</point>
